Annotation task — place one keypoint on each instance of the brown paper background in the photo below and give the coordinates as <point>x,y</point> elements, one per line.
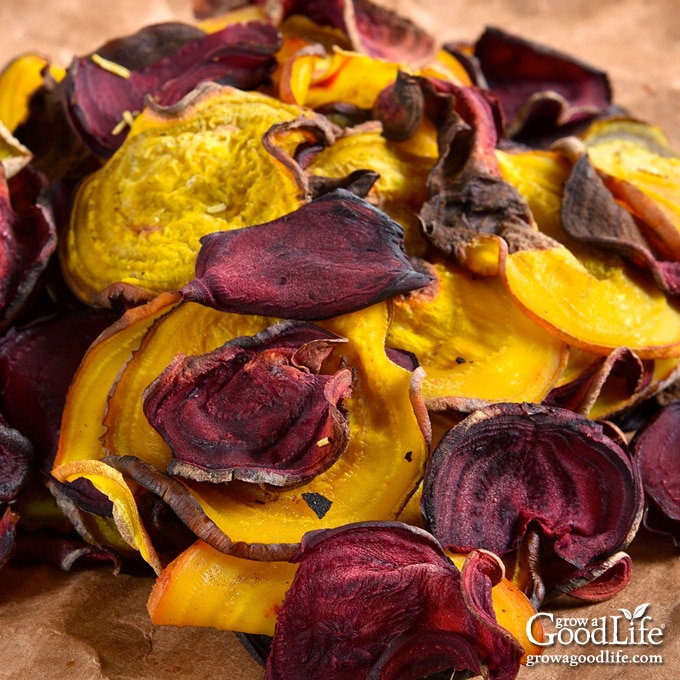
<point>89,625</point>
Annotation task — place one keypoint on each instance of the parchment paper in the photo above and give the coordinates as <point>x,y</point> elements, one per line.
<point>88,625</point>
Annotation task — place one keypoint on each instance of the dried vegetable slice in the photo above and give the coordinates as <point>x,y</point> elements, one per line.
<point>590,214</point>
<point>16,455</point>
<point>313,78</point>
<point>29,239</point>
<point>575,304</point>
<point>655,449</point>
<point>603,386</point>
<point>432,140</point>
<point>50,346</point>
<point>468,196</point>
<point>182,172</point>
<point>111,483</point>
<point>8,528</point>
<point>334,255</point>
<point>374,566</point>
<point>181,596</point>
<point>541,90</point>
<point>545,475</point>
<point>203,406</point>
<point>400,189</point>
<point>19,79</point>
<point>192,329</point>
<point>370,28</point>
<point>82,421</point>
<point>256,590</point>
<point>386,452</point>
<point>14,156</point>
<point>317,76</point>
<point>102,95</point>
<point>566,286</point>
<point>642,170</point>
<point>474,343</point>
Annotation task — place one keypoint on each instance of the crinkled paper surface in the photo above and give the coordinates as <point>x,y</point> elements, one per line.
<point>94,625</point>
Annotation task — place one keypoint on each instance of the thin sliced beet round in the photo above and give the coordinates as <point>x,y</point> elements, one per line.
<point>16,457</point>
<point>334,255</point>
<point>509,469</point>
<point>368,599</point>
<point>656,447</point>
<point>255,409</point>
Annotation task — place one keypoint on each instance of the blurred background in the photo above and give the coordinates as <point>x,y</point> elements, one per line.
<point>636,41</point>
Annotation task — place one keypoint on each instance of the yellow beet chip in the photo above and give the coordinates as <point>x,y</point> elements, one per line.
<point>195,168</point>
<point>596,310</point>
<point>474,343</point>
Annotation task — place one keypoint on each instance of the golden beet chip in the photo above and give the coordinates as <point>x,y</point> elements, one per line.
<point>474,343</point>
<point>643,172</point>
<point>373,478</point>
<point>568,287</point>
<point>182,172</point>
<point>19,79</point>
<point>575,303</point>
<point>182,596</point>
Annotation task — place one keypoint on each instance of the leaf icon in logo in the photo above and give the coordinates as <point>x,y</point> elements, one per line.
<point>640,611</point>
<point>626,613</point>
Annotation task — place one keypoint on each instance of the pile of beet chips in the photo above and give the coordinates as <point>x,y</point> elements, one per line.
<point>384,331</point>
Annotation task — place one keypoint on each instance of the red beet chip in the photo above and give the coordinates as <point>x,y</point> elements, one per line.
<point>368,597</point>
<point>511,470</point>
<point>16,456</point>
<point>50,347</point>
<point>334,255</point>
<point>540,89</point>
<point>8,530</point>
<point>98,97</point>
<point>29,239</point>
<point>255,409</point>
<point>656,447</point>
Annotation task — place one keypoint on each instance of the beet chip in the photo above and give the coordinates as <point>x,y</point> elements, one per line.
<point>510,472</point>
<point>369,28</point>
<point>332,256</point>
<point>254,409</point>
<point>8,530</point>
<point>369,599</point>
<point>29,239</point>
<point>50,347</point>
<point>541,90</point>
<point>16,456</point>
<point>101,95</point>
<point>656,449</point>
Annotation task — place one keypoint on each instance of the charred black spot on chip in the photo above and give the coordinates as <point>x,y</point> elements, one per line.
<point>409,456</point>
<point>318,503</point>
